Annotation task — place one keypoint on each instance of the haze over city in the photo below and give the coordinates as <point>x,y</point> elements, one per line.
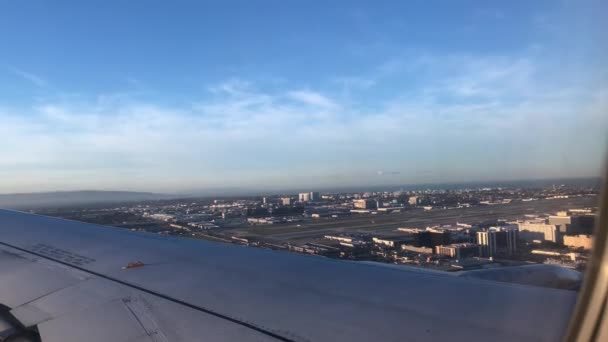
<point>298,95</point>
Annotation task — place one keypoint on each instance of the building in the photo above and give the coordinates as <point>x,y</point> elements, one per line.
<point>569,255</point>
<point>581,211</point>
<point>487,243</point>
<point>461,235</point>
<point>582,224</point>
<point>538,231</point>
<point>413,200</point>
<point>360,211</point>
<point>512,234</point>
<point>203,225</point>
<point>389,210</point>
<point>562,221</point>
<point>304,196</point>
<point>579,241</point>
<point>364,204</point>
<point>410,230</point>
<point>314,196</point>
<point>392,241</point>
<point>161,217</point>
<point>458,250</point>
<point>260,220</point>
<point>506,241</point>
<point>573,222</point>
<point>340,238</point>
<point>421,250</point>
<point>286,201</point>
<point>431,238</point>
<point>314,248</point>
<point>561,217</point>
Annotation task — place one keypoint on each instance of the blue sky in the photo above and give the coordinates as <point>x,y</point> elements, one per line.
<point>182,96</point>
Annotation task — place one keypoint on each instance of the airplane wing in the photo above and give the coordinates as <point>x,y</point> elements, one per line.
<point>70,281</point>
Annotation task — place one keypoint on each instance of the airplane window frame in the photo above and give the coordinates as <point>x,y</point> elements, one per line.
<point>588,321</point>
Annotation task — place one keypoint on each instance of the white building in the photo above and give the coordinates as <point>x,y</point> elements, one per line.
<point>538,231</point>
<point>339,238</point>
<point>161,217</point>
<point>304,196</point>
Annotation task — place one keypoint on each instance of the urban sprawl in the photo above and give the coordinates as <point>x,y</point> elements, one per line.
<point>447,230</point>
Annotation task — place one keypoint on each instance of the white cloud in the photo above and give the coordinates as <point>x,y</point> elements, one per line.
<point>505,122</point>
<point>233,86</point>
<point>35,79</point>
<point>312,98</point>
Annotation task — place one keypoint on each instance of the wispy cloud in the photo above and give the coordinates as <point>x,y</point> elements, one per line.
<point>35,79</point>
<point>491,77</point>
<point>233,86</point>
<point>312,98</point>
<point>492,116</point>
<point>359,82</point>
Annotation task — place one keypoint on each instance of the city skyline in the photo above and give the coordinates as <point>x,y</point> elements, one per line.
<point>196,97</point>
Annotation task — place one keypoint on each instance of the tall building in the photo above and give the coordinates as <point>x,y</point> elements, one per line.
<point>512,236</point>
<point>413,200</point>
<point>286,201</point>
<point>487,243</point>
<point>315,196</point>
<point>506,239</point>
<point>304,196</point>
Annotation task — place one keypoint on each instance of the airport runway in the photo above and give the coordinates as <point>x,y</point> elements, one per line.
<point>313,228</point>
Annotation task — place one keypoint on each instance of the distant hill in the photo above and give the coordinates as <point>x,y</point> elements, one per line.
<point>69,198</point>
